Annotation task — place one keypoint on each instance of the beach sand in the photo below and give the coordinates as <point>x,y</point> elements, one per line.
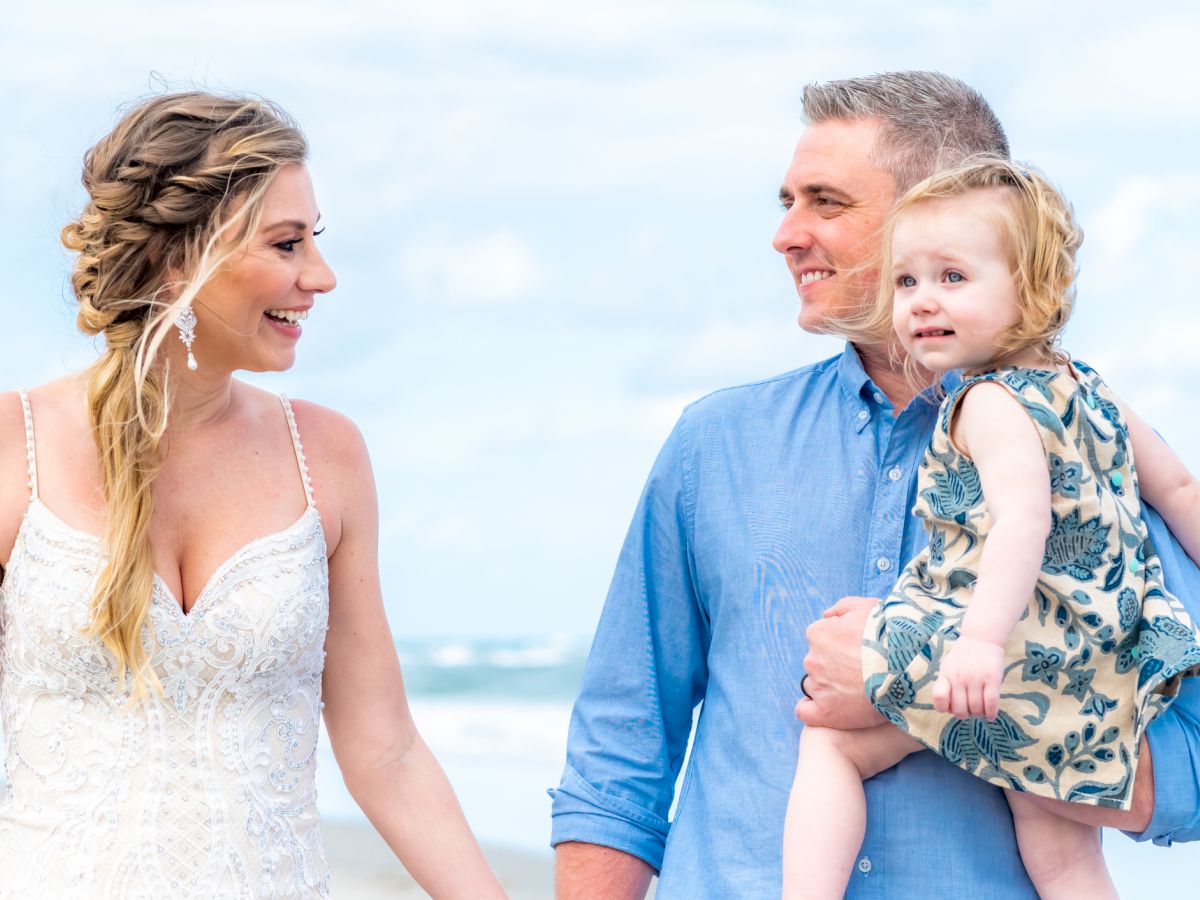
<point>364,868</point>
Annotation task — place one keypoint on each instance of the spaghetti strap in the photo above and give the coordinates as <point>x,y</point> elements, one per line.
<point>300,461</point>
<point>30,453</point>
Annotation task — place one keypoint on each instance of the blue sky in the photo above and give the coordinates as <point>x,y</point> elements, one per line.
<point>551,223</point>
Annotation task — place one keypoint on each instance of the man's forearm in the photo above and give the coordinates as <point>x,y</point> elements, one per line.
<point>587,871</point>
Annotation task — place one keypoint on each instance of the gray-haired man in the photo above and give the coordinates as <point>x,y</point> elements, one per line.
<point>768,502</point>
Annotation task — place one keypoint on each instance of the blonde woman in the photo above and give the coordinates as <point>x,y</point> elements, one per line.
<point>190,583</point>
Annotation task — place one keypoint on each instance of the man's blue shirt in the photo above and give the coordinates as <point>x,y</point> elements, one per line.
<point>768,503</point>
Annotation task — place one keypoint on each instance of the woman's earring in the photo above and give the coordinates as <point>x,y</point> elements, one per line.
<point>186,323</point>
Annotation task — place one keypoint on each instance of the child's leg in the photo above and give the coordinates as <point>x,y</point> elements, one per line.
<point>1062,857</point>
<point>827,810</point>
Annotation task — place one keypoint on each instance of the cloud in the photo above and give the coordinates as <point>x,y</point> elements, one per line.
<point>1140,75</point>
<point>1155,370</point>
<point>1135,217</point>
<point>496,268</point>
<point>726,351</point>
<point>551,226</point>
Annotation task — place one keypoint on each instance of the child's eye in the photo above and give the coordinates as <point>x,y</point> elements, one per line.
<point>954,277</point>
<point>906,281</point>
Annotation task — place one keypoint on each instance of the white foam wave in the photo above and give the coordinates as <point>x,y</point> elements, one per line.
<point>500,757</point>
<point>454,656</point>
<point>541,653</point>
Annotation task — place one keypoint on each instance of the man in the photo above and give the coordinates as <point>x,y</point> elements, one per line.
<point>768,502</point>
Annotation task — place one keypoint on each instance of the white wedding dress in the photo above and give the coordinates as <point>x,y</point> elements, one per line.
<point>203,791</point>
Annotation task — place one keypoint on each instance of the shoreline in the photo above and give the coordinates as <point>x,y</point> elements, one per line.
<point>363,867</point>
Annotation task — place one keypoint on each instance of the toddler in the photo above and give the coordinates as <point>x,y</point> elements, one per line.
<point>1033,641</point>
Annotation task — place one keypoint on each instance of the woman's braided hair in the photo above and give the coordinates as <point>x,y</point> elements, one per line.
<point>173,190</point>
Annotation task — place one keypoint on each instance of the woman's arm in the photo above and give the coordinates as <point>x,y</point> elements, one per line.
<point>1003,441</point>
<point>389,770</point>
<point>1165,483</point>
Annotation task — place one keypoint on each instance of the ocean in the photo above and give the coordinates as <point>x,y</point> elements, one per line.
<point>495,714</point>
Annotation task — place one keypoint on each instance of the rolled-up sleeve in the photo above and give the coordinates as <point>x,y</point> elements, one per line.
<point>1174,735</point>
<point>644,676</point>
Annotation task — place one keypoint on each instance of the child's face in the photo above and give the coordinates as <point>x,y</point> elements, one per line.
<point>955,293</point>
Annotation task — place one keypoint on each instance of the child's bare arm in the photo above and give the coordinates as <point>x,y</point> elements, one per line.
<point>1165,483</point>
<point>1003,441</point>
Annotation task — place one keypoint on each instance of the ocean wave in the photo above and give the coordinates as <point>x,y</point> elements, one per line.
<point>541,668</point>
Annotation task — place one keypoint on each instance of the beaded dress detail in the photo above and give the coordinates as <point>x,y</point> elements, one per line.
<point>206,789</point>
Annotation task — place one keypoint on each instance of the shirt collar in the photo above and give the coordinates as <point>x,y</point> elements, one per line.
<point>853,376</point>
<point>858,384</point>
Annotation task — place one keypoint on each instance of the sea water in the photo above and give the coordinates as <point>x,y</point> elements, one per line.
<point>495,714</point>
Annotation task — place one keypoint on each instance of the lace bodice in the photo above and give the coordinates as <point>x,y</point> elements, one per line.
<point>206,790</point>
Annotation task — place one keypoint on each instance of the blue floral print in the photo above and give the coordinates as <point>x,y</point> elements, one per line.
<point>1102,644</point>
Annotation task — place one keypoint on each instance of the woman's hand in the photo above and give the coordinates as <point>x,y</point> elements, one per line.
<point>969,680</point>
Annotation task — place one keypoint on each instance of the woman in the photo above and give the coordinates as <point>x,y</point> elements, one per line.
<point>187,580</point>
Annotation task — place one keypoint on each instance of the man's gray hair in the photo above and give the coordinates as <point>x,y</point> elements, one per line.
<point>930,121</point>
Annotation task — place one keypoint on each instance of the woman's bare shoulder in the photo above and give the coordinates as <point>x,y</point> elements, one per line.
<point>329,434</point>
<point>339,466</point>
<point>50,405</point>
<point>338,463</point>
<point>12,429</point>
<point>63,396</point>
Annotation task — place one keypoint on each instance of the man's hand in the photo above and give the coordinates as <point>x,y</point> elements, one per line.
<point>969,681</point>
<point>834,667</point>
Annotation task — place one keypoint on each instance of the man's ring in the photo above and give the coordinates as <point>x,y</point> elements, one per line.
<point>803,689</point>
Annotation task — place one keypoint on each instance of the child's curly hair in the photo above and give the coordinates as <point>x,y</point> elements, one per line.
<point>1040,234</point>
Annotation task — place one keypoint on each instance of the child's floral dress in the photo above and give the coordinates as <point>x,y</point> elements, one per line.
<point>1101,647</point>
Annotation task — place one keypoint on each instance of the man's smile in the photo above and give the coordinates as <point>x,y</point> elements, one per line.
<point>814,275</point>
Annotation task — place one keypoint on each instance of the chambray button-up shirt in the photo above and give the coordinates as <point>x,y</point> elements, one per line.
<point>768,503</point>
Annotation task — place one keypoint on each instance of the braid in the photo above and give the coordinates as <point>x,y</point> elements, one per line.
<point>180,175</point>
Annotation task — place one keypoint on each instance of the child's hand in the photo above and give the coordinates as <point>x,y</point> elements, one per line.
<point>969,681</point>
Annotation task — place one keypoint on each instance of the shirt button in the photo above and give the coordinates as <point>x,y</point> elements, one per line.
<point>864,865</point>
<point>862,415</point>
<point>879,398</point>
<point>883,564</point>
<point>894,473</point>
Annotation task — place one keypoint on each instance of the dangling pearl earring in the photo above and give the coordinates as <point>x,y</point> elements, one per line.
<point>186,323</point>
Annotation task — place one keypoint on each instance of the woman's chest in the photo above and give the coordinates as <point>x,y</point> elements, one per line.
<point>263,613</point>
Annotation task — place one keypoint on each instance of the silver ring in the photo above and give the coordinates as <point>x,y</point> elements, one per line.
<point>803,689</point>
